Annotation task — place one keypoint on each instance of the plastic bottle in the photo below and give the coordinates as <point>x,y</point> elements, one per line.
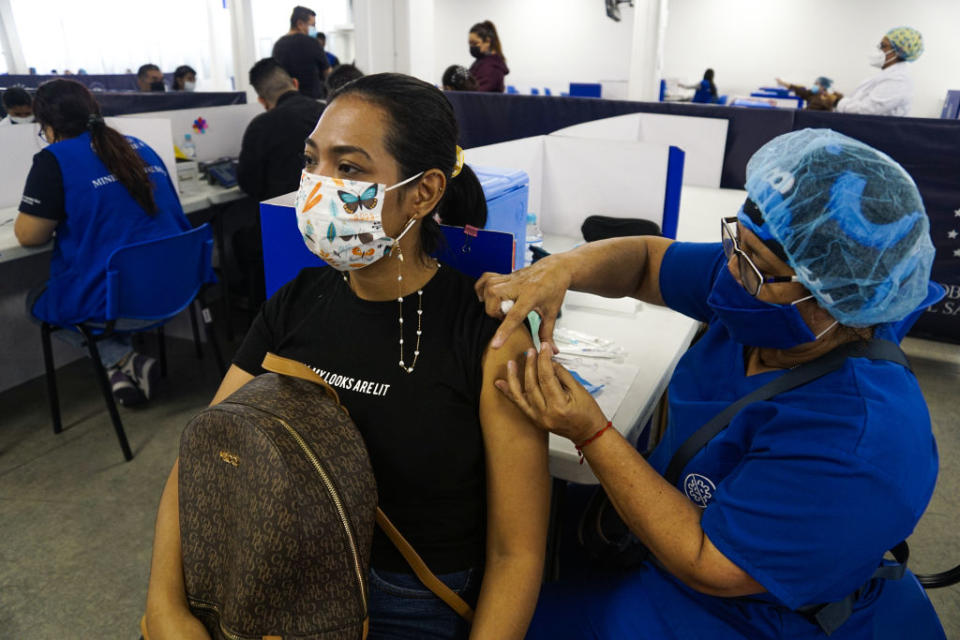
<point>534,238</point>
<point>189,149</point>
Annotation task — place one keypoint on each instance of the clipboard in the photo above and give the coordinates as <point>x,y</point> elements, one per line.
<point>473,251</point>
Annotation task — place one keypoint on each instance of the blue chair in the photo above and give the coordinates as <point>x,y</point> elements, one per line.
<point>511,89</point>
<point>546,91</point>
<point>905,611</point>
<point>153,281</point>
<point>534,91</point>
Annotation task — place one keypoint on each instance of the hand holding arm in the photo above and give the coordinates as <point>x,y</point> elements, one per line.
<point>655,511</point>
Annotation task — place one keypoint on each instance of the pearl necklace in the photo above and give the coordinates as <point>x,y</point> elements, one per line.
<point>416,350</point>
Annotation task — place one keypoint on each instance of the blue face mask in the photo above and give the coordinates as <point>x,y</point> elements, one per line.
<point>757,323</point>
<point>312,31</point>
<point>815,89</point>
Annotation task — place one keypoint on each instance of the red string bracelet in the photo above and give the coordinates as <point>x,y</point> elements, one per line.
<point>579,447</point>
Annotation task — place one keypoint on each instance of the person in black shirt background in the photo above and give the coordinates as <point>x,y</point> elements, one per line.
<point>300,53</point>
<point>460,470</point>
<point>271,157</point>
<point>271,154</point>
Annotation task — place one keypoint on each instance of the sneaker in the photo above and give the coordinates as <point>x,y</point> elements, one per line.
<point>124,389</point>
<point>143,371</point>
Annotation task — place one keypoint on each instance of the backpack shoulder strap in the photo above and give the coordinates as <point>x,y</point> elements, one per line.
<point>429,580</point>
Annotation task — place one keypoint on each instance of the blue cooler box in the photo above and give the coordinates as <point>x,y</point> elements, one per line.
<point>507,192</point>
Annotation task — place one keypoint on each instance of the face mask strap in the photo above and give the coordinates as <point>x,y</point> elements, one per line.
<point>796,302</point>
<point>824,332</point>
<point>400,184</point>
<point>406,228</point>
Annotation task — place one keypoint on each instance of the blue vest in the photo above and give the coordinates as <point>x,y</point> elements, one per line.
<point>101,216</point>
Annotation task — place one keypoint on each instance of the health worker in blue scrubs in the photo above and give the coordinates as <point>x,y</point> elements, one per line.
<point>794,503</point>
<point>93,190</point>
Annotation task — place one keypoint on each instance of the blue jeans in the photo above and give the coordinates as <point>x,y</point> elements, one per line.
<point>401,608</point>
<point>112,350</point>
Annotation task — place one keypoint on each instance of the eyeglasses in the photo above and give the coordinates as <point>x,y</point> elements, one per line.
<point>751,277</point>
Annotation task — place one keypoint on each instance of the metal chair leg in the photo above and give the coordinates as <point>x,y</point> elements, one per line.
<point>52,395</point>
<point>162,344</point>
<point>224,283</point>
<point>212,338</point>
<point>101,374</point>
<point>196,330</point>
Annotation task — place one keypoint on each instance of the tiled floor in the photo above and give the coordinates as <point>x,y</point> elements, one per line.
<point>76,521</point>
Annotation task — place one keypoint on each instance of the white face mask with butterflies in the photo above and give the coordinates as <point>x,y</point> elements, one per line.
<point>341,221</point>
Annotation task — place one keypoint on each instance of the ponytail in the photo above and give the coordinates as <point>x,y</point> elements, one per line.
<point>463,203</point>
<point>68,107</point>
<point>422,135</point>
<point>116,152</point>
<point>487,31</point>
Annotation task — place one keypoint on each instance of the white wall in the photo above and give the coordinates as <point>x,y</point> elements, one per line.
<point>750,42</point>
<point>548,43</point>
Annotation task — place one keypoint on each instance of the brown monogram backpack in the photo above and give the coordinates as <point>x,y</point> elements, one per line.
<point>277,507</point>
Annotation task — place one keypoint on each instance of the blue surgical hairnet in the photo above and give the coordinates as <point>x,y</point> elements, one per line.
<point>825,82</point>
<point>849,221</point>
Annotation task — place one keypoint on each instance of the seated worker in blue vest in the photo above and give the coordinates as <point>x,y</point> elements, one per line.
<point>459,469</point>
<point>271,157</point>
<point>96,190</point>
<point>794,503</point>
<point>19,107</point>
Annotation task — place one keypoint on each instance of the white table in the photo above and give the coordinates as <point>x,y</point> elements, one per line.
<point>10,249</point>
<point>194,197</point>
<point>198,195</point>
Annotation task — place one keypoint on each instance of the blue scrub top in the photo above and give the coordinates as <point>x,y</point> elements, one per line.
<point>804,491</point>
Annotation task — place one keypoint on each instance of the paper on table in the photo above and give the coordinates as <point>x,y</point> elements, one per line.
<point>616,378</point>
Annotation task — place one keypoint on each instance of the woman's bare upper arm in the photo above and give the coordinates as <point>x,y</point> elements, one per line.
<point>518,481</point>
<point>235,378</point>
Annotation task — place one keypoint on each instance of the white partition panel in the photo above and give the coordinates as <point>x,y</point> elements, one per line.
<point>223,132</point>
<point>703,140</point>
<point>156,133</point>
<point>583,177</point>
<point>525,154</point>
<point>21,142</point>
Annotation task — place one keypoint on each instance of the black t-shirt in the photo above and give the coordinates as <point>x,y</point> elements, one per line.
<point>271,155</point>
<point>43,192</point>
<point>305,60</point>
<point>422,429</point>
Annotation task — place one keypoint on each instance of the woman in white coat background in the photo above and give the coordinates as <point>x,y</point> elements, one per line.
<point>890,92</point>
